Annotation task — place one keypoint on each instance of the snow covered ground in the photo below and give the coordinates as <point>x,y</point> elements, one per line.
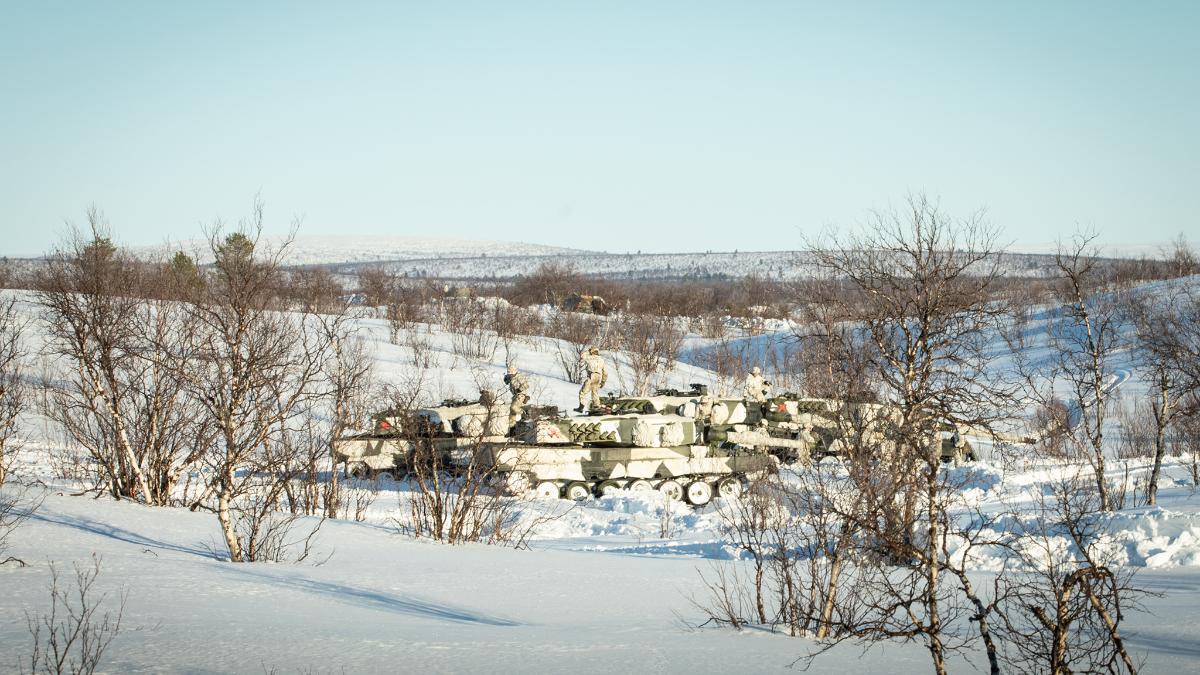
<point>600,590</point>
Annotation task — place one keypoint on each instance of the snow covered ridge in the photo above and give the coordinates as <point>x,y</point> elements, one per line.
<point>324,250</point>
<point>465,259</point>
<point>778,265</point>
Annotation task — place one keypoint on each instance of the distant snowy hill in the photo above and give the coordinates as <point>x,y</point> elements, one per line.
<point>474,260</point>
<point>358,249</point>
<point>780,265</point>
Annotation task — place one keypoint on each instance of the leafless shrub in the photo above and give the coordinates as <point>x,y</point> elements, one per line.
<point>305,467</point>
<point>456,502</point>
<point>726,602</point>
<point>308,480</point>
<point>575,334</point>
<point>1051,425</point>
<point>312,290</point>
<point>1181,257</point>
<point>652,344</point>
<point>801,554</point>
<point>356,500</point>
<point>72,636</point>
<point>377,285</point>
<point>404,309</point>
<point>16,506</point>
<point>455,494</point>
<point>1136,432</point>
<point>1185,442</point>
<point>470,324</point>
<point>265,534</point>
<point>1062,606</point>
<point>748,523</point>
<point>730,358</point>
<point>1167,345</point>
<point>115,327</point>
<point>12,384</point>
<point>549,284</point>
<point>513,324</point>
<point>668,525</point>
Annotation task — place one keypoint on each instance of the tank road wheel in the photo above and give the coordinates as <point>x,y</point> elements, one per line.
<point>577,491</point>
<point>699,493</point>
<point>358,471</point>
<point>546,489</point>
<point>608,487</point>
<point>672,489</point>
<point>729,487</point>
<point>641,485</point>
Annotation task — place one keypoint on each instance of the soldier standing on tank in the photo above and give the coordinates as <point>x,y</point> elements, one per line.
<point>704,413</point>
<point>519,386</point>
<point>756,388</point>
<point>597,376</point>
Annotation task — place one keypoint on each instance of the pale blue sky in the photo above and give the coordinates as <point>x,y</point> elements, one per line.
<point>603,125</point>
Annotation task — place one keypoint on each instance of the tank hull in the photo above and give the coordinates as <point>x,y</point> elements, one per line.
<point>528,465</point>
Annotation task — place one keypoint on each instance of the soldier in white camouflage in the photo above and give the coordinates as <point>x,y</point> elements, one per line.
<point>519,386</point>
<point>597,376</point>
<point>757,389</point>
<point>704,413</point>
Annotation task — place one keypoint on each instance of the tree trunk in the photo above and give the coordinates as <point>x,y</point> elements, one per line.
<point>1160,438</point>
<point>1111,625</point>
<point>835,573</point>
<point>936,649</point>
<point>758,594</point>
<point>225,516</point>
<point>981,614</point>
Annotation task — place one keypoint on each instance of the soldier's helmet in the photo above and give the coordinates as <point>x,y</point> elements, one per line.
<point>756,371</point>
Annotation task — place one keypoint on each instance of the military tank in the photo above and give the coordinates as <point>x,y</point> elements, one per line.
<point>794,428</point>
<point>784,426</point>
<point>557,456</point>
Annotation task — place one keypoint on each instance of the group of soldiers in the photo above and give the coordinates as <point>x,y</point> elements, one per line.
<point>756,389</point>
<point>518,386</point>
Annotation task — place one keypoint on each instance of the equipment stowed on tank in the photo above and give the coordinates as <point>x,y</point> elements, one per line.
<point>775,427</point>
<point>790,427</point>
<point>386,451</point>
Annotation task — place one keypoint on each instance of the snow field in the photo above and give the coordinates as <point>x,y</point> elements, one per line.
<point>607,585</point>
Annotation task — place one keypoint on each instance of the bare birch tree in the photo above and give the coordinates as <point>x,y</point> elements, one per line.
<point>12,384</point>
<point>1167,339</point>
<point>349,377</point>
<point>918,290</point>
<point>252,369</point>
<point>89,294</point>
<point>1085,336</point>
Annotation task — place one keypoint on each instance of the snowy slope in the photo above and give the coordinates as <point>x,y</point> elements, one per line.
<point>601,590</point>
